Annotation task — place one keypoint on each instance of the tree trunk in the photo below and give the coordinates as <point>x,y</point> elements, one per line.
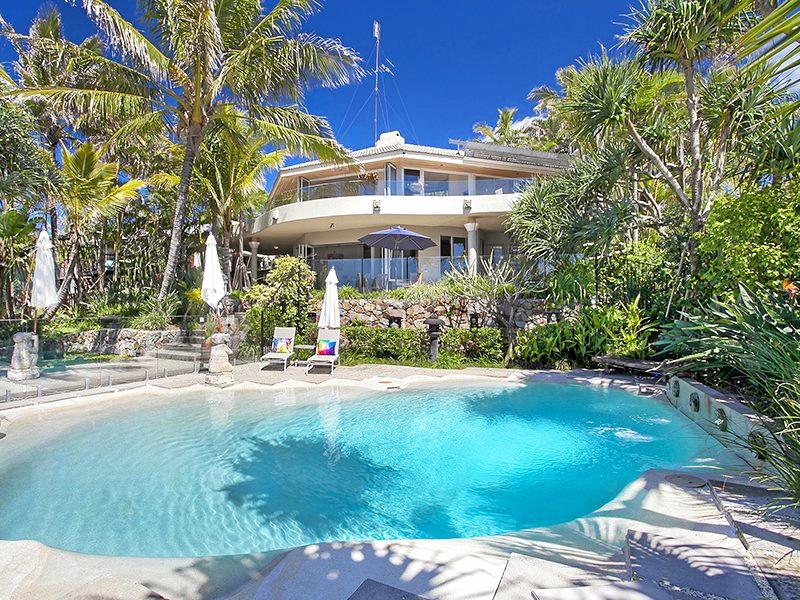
<point>101,260</point>
<point>68,275</point>
<point>226,256</point>
<point>696,177</point>
<point>193,137</point>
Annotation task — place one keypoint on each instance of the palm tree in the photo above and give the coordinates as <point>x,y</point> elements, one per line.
<point>506,131</point>
<point>230,173</point>
<point>201,59</point>
<point>45,58</point>
<point>89,193</point>
<point>774,41</point>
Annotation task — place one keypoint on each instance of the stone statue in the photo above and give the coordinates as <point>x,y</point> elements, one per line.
<point>220,370</point>
<point>26,354</point>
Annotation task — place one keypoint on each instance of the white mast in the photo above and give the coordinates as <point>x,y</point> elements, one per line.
<point>376,31</point>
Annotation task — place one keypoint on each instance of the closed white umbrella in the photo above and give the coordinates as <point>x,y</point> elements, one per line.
<point>213,288</point>
<point>329,315</point>
<point>43,291</point>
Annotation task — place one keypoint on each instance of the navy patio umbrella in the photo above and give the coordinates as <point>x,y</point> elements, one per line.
<point>397,238</point>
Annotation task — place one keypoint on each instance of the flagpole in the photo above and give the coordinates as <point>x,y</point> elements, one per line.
<point>376,31</point>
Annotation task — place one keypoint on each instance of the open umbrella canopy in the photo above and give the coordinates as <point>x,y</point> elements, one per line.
<point>213,288</point>
<point>43,291</point>
<point>329,314</point>
<point>397,238</point>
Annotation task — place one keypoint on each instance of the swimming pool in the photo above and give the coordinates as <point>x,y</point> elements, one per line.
<point>196,473</point>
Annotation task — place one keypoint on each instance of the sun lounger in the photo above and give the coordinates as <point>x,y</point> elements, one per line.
<point>282,347</point>
<point>327,353</point>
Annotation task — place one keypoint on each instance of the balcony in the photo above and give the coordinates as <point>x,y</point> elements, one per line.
<point>355,187</point>
<point>368,274</point>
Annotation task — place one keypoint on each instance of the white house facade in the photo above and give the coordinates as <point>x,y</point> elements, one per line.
<point>457,197</point>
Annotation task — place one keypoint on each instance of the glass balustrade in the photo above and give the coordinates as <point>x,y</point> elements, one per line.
<point>361,187</point>
<point>367,274</point>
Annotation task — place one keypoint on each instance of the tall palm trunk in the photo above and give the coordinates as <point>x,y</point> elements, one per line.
<point>193,137</point>
<point>68,276</point>
<point>226,255</point>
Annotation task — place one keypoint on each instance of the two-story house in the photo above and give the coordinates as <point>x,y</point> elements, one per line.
<point>458,197</point>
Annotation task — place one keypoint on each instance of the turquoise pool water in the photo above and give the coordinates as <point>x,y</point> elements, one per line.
<point>199,474</point>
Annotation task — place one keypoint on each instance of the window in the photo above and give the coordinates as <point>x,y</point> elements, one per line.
<point>303,189</point>
<point>412,182</point>
<point>436,184</point>
<point>453,247</point>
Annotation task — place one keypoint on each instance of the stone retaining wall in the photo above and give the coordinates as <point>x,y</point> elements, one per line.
<point>125,341</point>
<point>380,311</point>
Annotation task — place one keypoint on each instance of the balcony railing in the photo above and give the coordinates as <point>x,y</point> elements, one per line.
<point>367,274</point>
<point>407,187</point>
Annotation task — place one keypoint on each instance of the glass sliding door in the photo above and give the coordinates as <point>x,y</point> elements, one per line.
<point>390,179</point>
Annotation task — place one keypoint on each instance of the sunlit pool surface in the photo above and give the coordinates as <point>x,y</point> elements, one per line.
<point>198,474</point>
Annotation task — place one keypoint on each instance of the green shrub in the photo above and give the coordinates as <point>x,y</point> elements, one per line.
<point>404,345</point>
<point>67,321</point>
<point>593,332</point>
<point>752,238</point>
<point>157,313</point>
<point>482,344</point>
<point>286,291</point>
<point>643,270</point>
<point>283,301</point>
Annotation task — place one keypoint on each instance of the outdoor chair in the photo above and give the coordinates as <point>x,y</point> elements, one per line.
<point>327,351</point>
<point>282,349</point>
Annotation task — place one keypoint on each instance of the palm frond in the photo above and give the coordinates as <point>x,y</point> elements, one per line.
<point>105,104</point>
<point>128,40</point>
<point>297,131</point>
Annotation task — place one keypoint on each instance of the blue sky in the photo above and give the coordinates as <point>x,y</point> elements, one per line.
<point>455,61</point>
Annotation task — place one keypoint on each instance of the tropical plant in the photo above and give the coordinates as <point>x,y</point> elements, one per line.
<point>16,235</point>
<point>90,191</point>
<point>593,331</point>
<point>25,170</point>
<point>751,343</point>
<point>497,289</point>
<point>157,313</point>
<point>230,174</point>
<point>200,60</point>
<point>774,40</point>
<point>46,58</point>
<point>507,131</point>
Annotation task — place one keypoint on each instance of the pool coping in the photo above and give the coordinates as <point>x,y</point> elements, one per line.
<point>225,574</point>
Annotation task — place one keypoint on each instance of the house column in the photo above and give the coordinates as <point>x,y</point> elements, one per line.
<point>254,243</point>
<point>472,247</point>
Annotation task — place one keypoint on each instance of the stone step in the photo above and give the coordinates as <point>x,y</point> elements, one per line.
<point>181,355</point>
<point>622,590</point>
<point>191,339</point>
<point>181,346</point>
<point>689,566</point>
<point>524,573</point>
